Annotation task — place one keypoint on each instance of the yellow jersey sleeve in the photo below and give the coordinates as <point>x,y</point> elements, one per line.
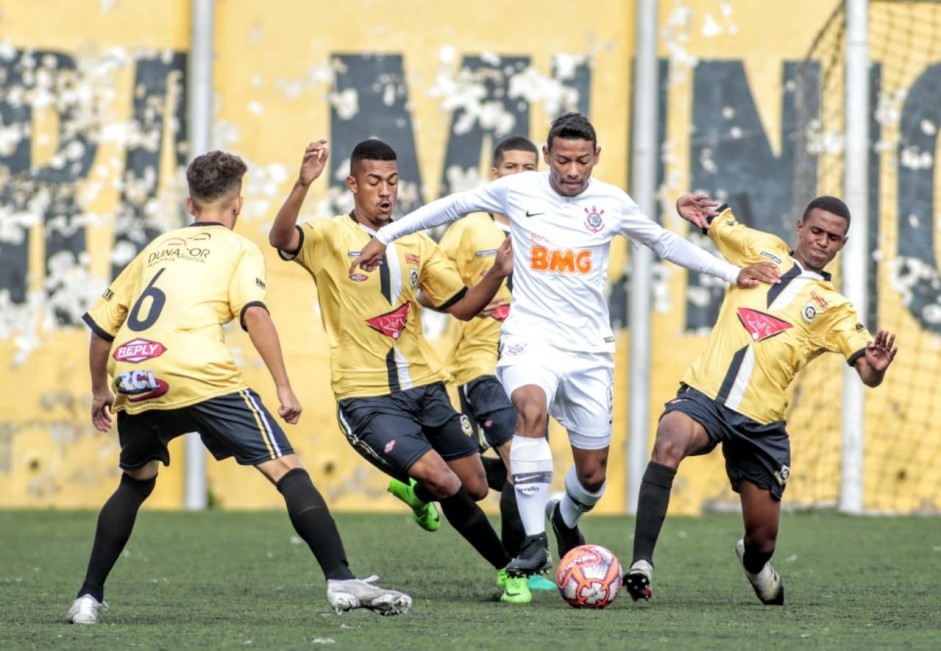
<point>846,335</point>
<point>247,285</point>
<point>742,245</point>
<point>454,244</point>
<point>109,312</point>
<point>438,277</point>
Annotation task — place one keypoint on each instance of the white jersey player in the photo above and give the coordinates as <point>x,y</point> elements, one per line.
<point>556,344</point>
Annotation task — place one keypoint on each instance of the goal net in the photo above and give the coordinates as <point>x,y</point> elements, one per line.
<point>902,449</point>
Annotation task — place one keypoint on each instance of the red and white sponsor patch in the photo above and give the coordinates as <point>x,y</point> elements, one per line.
<point>501,313</point>
<point>137,350</point>
<point>760,325</point>
<point>391,324</point>
<point>389,446</point>
<point>358,278</point>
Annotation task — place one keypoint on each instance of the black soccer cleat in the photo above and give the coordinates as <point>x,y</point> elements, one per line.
<point>567,538</point>
<point>534,557</point>
<point>637,580</point>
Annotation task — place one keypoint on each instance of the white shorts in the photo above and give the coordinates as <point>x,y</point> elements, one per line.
<point>578,387</point>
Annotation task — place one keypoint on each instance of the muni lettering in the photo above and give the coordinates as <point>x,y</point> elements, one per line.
<point>560,260</point>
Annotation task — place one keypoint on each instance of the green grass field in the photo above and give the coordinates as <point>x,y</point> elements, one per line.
<point>242,580</point>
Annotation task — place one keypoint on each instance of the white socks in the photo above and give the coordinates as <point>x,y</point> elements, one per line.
<point>531,467</point>
<point>577,500</point>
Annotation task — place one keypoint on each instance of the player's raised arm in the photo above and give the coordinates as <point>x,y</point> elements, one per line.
<point>670,246</point>
<point>490,198</point>
<point>283,234</point>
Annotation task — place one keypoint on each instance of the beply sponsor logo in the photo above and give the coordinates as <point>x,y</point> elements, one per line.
<point>137,350</point>
<point>391,324</point>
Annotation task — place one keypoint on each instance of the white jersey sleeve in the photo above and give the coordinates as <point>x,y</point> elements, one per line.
<point>670,246</point>
<point>488,198</point>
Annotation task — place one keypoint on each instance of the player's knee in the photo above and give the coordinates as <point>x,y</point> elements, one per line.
<point>531,417</point>
<point>668,450</point>
<point>441,483</point>
<point>476,489</point>
<point>592,479</point>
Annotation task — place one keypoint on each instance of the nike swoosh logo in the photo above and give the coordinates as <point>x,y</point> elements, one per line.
<point>533,214</point>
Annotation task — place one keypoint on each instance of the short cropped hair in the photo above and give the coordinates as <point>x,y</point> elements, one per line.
<point>830,205</point>
<point>371,149</point>
<point>572,126</point>
<point>513,143</point>
<point>214,175</point>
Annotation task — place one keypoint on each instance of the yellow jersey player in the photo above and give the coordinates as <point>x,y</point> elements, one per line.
<point>158,335</point>
<point>392,404</point>
<point>735,393</point>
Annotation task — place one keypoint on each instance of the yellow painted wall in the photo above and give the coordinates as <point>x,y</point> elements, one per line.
<point>272,94</point>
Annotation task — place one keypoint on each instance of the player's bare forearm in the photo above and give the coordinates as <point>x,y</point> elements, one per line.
<point>283,234</point>
<point>478,297</point>
<point>101,395</point>
<point>98,351</point>
<point>264,337</point>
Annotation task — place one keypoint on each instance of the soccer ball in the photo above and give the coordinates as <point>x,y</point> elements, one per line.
<point>589,576</point>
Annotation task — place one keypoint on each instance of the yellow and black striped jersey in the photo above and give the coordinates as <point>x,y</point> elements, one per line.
<point>766,334</point>
<point>165,312</point>
<point>373,320</point>
<point>471,244</point>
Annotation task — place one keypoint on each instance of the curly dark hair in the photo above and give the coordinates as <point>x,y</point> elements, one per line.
<point>214,175</point>
<point>572,126</point>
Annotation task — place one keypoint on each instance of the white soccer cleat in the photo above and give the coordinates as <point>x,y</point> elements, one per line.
<point>346,595</point>
<point>86,610</point>
<point>767,583</point>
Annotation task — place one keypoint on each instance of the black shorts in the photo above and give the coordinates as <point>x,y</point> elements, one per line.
<point>234,425</point>
<point>758,453</point>
<point>484,401</point>
<point>392,432</point>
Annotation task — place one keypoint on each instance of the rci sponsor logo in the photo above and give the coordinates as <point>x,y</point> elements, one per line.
<point>140,385</point>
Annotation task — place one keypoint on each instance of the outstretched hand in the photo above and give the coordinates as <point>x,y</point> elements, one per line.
<point>881,352</point>
<point>315,159</point>
<point>696,209</point>
<point>760,272</point>
<point>370,257</point>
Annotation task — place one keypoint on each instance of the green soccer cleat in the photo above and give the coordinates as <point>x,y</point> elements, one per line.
<point>515,588</point>
<point>425,513</point>
<point>539,582</point>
